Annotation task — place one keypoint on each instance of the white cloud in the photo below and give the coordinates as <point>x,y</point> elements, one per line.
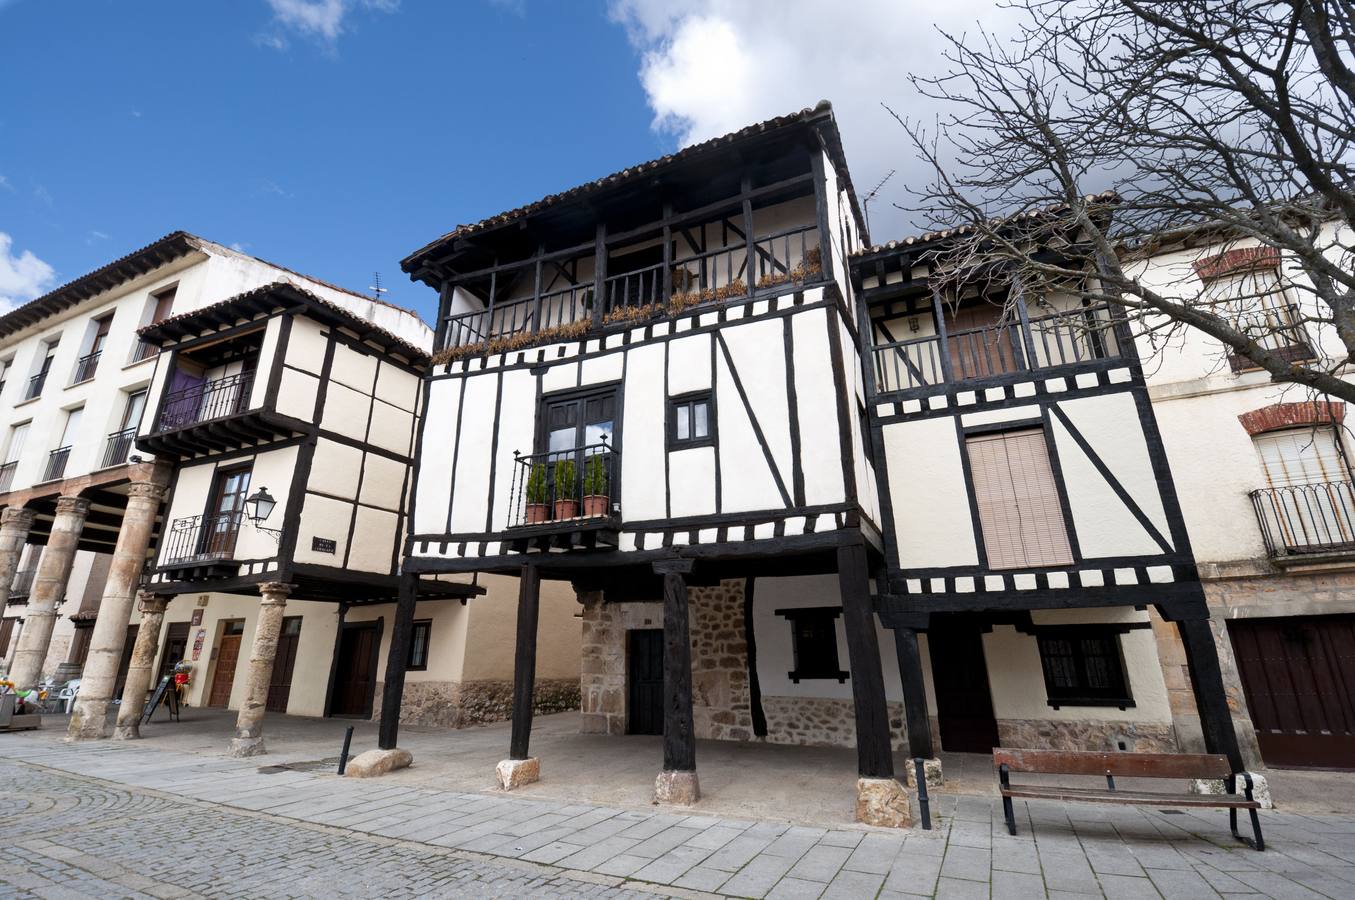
<point>710,67</point>
<point>319,20</point>
<point>22,277</point>
<point>5,185</point>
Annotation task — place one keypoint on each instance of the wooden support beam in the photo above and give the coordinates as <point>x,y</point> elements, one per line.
<point>914,694</point>
<point>397,658</point>
<point>873,754</point>
<point>600,274</point>
<point>679,731</point>
<point>524,661</point>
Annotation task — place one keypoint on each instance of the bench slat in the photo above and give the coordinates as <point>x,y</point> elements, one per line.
<point>1141,765</point>
<point>1141,798</point>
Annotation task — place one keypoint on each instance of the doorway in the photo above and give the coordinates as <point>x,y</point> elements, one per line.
<point>125,663</point>
<point>964,705</point>
<point>227,656</point>
<point>176,649</point>
<point>644,681</point>
<point>355,669</point>
<point>280,685</point>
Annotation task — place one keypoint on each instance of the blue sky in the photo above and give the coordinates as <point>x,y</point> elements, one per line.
<point>336,136</point>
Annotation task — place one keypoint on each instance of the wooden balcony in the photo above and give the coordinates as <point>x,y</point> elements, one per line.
<point>201,547</point>
<point>214,415</point>
<point>565,499</point>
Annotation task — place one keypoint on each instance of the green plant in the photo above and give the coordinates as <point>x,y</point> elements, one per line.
<point>564,479</point>
<point>536,483</point>
<point>595,480</point>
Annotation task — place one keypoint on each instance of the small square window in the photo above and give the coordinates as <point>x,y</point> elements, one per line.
<point>814,642</point>
<point>691,421</point>
<point>418,645</point>
<point>1082,667</point>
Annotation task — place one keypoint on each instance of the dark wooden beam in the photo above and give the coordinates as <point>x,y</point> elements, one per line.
<point>914,694</point>
<point>524,661</point>
<point>679,731</point>
<point>397,658</point>
<point>873,754</point>
<point>1206,680</point>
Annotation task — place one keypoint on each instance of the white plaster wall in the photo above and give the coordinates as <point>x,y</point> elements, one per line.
<point>816,398</point>
<point>642,437</point>
<point>434,488</point>
<point>932,522</point>
<point>306,345</point>
<point>470,493</point>
<point>758,352</point>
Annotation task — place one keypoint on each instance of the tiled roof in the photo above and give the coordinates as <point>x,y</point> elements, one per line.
<point>822,111</point>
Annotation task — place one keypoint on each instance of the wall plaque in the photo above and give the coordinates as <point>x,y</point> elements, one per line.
<point>197,617</point>
<point>324,545</point>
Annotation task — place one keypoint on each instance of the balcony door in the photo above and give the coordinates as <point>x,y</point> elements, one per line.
<point>1310,505</point>
<point>980,345</point>
<point>574,428</point>
<point>222,521</point>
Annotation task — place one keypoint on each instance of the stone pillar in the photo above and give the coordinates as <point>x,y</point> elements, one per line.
<point>521,767</point>
<point>248,740</point>
<point>49,586</point>
<point>677,783</point>
<point>99,678</point>
<point>1206,677</point>
<point>138,683</point>
<point>15,523</point>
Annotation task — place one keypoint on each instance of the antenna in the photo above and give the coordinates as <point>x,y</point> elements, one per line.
<point>375,287</point>
<point>865,204</point>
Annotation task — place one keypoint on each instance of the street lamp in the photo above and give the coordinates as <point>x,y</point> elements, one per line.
<point>258,508</point>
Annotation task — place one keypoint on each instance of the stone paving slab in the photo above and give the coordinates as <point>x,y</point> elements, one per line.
<point>1060,850</point>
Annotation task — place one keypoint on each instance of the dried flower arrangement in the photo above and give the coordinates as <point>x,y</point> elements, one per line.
<point>810,266</point>
<point>519,341</point>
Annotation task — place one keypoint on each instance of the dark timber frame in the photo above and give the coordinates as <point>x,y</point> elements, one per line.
<point>679,732</point>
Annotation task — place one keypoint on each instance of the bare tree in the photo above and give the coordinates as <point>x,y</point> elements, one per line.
<point>1073,153</point>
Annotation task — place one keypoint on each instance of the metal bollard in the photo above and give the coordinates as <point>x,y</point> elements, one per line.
<point>923,804</point>
<point>343,754</point>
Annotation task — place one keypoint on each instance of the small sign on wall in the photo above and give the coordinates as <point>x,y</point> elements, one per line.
<point>197,618</point>
<point>324,545</point>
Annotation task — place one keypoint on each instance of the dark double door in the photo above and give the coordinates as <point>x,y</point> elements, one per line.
<point>280,684</point>
<point>644,682</point>
<point>964,704</point>
<point>1298,674</point>
<point>355,669</point>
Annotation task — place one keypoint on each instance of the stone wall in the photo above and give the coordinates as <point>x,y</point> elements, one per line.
<point>1045,734</point>
<point>450,704</point>
<point>823,722</point>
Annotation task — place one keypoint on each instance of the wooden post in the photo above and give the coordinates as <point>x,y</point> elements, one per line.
<point>914,694</point>
<point>874,759</point>
<point>1206,679</point>
<point>397,659</point>
<point>750,273</point>
<point>1027,339</point>
<point>667,253</point>
<point>939,310</point>
<point>820,177</point>
<point>600,274</point>
<point>679,737</point>
<point>524,663</point>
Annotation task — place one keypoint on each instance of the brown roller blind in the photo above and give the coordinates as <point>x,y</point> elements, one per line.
<point>1018,501</point>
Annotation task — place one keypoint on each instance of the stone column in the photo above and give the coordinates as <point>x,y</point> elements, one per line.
<point>15,524</point>
<point>99,678</point>
<point>49,586</point>
<point>248,740</point>
<point>677,783</point>
<point>139,672</point>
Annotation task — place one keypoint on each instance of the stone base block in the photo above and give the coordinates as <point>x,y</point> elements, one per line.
<point>244,747</point>
<point>127,732</point>
<point>377,762</point>
<point>514,773</point>
<point>1260,788</point>
<point>674,788</point>
<point>931,771</point>
<point>883,802</point>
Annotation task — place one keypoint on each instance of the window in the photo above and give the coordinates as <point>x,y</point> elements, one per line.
<point>691,421</point>
<point>45,357</point>
<point>1082,667</point>
<point>418,645</point>
<point>17,436</point>
<point>1018,500</point>
<point>164,304</point>
<point>814,642</point>
<point>579,421</point>
<point>5,365</point>
<point>136,405</point>
<point>1257,303</point>
<point>1309,502</point>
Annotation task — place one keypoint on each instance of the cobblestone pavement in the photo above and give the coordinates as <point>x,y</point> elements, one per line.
<point>100,817</point>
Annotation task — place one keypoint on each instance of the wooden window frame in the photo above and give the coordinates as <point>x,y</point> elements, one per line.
<point>426,625</point>
<point>1118,695</point>
<point>680,403</point>
<point>829,667</point>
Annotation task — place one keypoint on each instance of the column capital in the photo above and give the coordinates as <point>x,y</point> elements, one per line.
<point>148,490</point>
<point>275,591</point>
<point>155,472</point>
<point>17,516</point>
<point>151,603</point>
<point>76,506</point>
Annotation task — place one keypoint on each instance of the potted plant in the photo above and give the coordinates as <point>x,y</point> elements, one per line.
<point>566,490</point>
<point>595,486</point>
<point>538,510</point>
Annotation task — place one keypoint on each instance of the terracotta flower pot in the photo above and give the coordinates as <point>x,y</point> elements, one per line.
<point>596,505</point>
<point>566,509</point>
<point>538,513</point>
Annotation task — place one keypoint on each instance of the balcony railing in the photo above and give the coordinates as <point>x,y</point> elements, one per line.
<point>213,399</point>
<point>564,487</point>
<point>22,585</point>
<point>144,350</point>
<point>791,255</point>
<point>118,448</point>
<point>35,385</point>
<point>1058,339</point>
<point>1276,328</point>
<point>1306,518</point>
<point>7,475</point>
<point>56,464</point>
<point>196,539</point>
<point>86,366</point>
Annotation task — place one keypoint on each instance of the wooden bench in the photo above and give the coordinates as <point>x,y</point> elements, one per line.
<point>1132,765</point>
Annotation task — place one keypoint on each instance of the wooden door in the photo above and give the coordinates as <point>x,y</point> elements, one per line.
<point>227,656</point>
<point>644,680</point>
<point>126,662</point>
<point>979,346</point>
<point>1298,674</point>
<point>355,676</point>
<point>176,648</point>
<point>964,705</point>
<point>280,686</point>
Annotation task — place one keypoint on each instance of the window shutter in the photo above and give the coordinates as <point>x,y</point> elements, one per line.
<point>1300,456</point>
<point>1018,500</point>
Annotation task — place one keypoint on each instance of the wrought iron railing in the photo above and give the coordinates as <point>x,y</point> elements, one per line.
<point>56,464</point>
<point>1057,339</point>
<point>564,486</point>
<point>195,539</point>
<point>1306,518</point>
<point>118,448</point>
<point>1276,328</point>
<point>22,585</point>
<point>144,350</point>
<point>213,399</point>
<point>35,385</point>
<point>86,366</point>
<point>7,475</point>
